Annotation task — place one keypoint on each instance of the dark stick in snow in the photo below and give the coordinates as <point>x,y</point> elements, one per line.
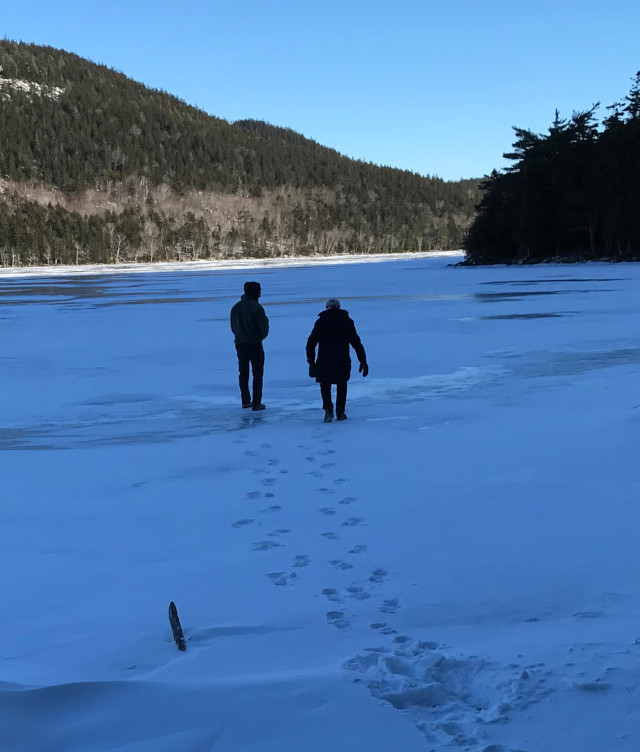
<point>178,634</point>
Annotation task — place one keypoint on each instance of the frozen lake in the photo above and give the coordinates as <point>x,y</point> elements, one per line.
<point>143,358</point>
<point>454,566</point>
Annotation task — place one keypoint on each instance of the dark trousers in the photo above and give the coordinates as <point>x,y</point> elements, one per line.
<point>250,355</point>
<point>341,396</point>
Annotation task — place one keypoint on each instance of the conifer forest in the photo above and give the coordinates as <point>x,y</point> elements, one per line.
<point>572,194</point>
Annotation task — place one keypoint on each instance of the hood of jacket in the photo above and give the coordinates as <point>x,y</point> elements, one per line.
<point>333,313</point>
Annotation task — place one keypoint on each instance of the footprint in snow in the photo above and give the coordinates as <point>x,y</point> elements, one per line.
<point>330,535</point>
<point>282,578</point>
<point>338,619</point>
<point>269,481</point>
<point>327,511</point>
<point>278,533</point>
<point>252,495</point>
<point>314,473</point>
<point>325,491</point>
<point>378,575</point>
<point>594,687</point>
<point>326,452</point>
<point>339,564</point>
<point>347,500</point>
<point>273,462</point>
<point>360,548</point>
<point>390,606</point>
<point>270,510</point>
<point>383,628</point>
<point>453,700</point>
<point>352,522</point>
<point>358,593</point>
<point>402,639</point>
<point>587,614</point>
<point>265,446</point>
<point>332,595</point>
<point>242,523</point>
<point>327,465</point>
<point>301,561</point>
<point>340,481</point>
<point>265,545</point>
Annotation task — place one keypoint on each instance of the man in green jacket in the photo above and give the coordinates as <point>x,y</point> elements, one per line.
<point>250,325</point>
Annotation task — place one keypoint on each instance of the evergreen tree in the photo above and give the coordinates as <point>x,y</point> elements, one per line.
<point>570,194</point>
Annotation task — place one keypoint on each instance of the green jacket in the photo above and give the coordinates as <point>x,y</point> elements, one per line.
<point>249,322</point>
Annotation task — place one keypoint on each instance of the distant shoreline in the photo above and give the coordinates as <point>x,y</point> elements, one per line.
<point>212,265</point>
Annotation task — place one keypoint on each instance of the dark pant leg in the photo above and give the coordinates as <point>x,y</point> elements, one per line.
<point>341,397</point>
<point>244,359</point>
<point>325,391</point>
<point>257,366</point>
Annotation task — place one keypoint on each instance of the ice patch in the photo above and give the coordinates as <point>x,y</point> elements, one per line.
<point>434,386</point>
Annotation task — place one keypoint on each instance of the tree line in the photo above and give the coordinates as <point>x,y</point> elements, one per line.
<point>571,194</point>
<point>78,127</point>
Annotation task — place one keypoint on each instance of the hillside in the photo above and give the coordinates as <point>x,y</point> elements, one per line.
<point>95,167</point>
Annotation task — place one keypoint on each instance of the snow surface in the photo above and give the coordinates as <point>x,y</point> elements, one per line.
<point>454,567</point>
<point>30,87</point>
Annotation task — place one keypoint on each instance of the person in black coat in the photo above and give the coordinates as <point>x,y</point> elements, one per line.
<point>333,333</point>
<point>250,325</point>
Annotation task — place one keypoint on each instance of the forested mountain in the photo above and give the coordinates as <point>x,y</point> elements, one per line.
<point>95,167</point>
<point>572,194</point>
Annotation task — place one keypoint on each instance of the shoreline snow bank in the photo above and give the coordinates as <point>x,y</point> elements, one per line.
<point>198,266</point>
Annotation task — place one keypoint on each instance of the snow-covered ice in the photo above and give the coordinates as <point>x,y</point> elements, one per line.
<point>455,566</point>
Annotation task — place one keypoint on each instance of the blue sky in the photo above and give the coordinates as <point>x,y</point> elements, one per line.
<point>433,87</point>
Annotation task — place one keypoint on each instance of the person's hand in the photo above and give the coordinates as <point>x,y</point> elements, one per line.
<point>364,369</point>
<point>312,370</point>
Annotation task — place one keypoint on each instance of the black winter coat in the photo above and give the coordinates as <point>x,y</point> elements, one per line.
<point>333,332</point>
<point>249,322</point>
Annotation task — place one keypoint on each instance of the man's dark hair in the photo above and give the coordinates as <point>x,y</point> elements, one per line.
<point>253,289</point>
